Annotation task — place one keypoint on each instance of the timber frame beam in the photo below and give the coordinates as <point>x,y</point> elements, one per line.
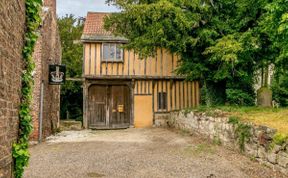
<point>139,77</point>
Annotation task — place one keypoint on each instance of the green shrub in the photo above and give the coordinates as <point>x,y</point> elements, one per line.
<point>239,97</point>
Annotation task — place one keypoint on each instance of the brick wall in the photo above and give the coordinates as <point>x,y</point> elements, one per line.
<point>51,4</point>
<point>12,27</point>
<point>47,51</point>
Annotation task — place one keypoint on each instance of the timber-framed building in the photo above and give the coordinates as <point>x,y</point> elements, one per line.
<point>121,90</point>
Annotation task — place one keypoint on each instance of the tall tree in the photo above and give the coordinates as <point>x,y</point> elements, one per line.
<point>218,40</point>
<point>72,53</point>
<point>275,25</point>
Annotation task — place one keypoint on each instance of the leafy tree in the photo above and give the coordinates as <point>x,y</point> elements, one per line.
<point>220,42</point>
<point>72,53</point>
<point>275,24</point>
<point>280,88</point>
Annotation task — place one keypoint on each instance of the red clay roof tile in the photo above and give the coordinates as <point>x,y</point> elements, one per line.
<point>94,24</point>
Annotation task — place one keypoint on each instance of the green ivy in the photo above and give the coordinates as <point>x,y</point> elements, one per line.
<point>20,149</point>
<point>242,131</point>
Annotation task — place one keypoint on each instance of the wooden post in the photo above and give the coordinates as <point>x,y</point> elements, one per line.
<point>85,105</point>
<point>153,103</point>
<point>132,86</point>
<point>170,93</point>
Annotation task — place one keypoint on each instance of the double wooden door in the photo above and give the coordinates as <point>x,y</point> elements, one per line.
<point>109,106</point>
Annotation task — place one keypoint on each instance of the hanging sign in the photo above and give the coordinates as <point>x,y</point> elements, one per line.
<point>57,74</point>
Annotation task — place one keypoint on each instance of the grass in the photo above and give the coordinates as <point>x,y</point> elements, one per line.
<point>271,117</point>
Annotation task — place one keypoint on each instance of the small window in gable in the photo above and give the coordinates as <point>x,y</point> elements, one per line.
<point>112,52</point>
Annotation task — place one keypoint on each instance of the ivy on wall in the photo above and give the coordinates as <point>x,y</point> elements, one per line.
<point>242,131</point>
<point>20,149</point>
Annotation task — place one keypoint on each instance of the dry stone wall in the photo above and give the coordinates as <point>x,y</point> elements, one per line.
<point>12,29</point>
<point>260,145</point>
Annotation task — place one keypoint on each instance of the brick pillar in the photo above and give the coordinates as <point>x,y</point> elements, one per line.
<point>51,4</point>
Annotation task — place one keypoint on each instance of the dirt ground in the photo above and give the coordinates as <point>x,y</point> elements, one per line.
<point>136,153</point>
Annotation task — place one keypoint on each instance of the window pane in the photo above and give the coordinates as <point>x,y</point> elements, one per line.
<point>118,53</point>
<point>106,51</point>
<point>112,52</point>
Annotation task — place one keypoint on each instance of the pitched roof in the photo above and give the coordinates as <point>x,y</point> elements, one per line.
<point>94,28</point>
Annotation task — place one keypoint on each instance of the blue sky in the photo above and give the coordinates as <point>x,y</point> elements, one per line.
<point>81,7</point>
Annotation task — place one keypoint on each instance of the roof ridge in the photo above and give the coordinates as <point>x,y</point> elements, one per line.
<point>90,12</point>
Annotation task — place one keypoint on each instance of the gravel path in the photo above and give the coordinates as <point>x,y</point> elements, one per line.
<point>138,153</point>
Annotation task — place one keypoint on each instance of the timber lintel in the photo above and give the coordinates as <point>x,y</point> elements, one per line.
<point>132,77</point>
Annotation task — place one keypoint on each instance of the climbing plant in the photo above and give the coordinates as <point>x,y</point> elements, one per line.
<point>20,148</point>
<point>242,131</point>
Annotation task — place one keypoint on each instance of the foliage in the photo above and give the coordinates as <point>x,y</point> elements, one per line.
<point>217,40</point>
<point>275,25</point>
<point>280,88</point>
<point>72,52</point>
<point>280,139</point>
<point>239,97</point>
<point>242,131</point>
<point>20,149</point>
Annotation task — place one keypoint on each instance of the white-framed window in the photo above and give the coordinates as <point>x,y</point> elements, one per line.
<point>112,52</point>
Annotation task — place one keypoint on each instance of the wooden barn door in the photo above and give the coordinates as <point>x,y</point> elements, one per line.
<point>109,106</point>
<point>97,106</point>
<point>120,107</point>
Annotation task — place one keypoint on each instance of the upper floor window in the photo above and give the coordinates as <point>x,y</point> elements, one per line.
<point>112,52</point>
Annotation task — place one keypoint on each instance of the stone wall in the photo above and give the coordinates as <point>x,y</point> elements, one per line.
<point>12,29</point>
<point>47,51</point>
<point>259,146</point>
<point>160,119</point>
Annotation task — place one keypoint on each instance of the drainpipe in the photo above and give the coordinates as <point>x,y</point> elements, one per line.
<point>41,112</point>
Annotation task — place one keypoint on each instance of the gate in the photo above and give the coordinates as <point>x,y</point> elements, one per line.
<point>109,106</point>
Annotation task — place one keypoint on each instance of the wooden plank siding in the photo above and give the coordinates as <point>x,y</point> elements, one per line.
<point>162,65</point>
<point>180,94</point>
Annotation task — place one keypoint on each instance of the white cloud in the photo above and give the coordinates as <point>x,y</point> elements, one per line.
<point>81,7</point>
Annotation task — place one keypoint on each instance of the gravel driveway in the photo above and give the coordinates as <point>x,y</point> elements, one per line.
<point>138,153</point>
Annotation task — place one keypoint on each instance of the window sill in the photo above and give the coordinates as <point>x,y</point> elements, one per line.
<point>112,61</point>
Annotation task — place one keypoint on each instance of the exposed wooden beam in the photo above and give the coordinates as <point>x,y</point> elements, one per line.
<point>132,77</point>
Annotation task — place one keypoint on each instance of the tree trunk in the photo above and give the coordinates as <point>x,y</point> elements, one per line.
<point>266,75</point>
